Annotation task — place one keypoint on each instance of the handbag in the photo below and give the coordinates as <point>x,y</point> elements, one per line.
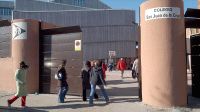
<point>57,76</point>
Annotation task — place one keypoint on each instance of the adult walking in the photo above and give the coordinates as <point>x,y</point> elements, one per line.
<point>121,65</point>
<point>63,86</point>
<point>20,76</point>
<point>135,69</point>
<point>85,75</point>
<point>96,78</point>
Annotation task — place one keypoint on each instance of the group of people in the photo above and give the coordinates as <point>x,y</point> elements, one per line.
<point>121,65</point>
<point>92,74</point>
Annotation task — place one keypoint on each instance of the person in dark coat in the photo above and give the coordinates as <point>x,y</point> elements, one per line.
<point>86,80</point>
<point>63,86</point>
<point>96,78</point>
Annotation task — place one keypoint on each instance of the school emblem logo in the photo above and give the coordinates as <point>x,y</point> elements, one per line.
<point>19,30</point>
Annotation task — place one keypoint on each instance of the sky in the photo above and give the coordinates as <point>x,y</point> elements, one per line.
<point>134,5</point>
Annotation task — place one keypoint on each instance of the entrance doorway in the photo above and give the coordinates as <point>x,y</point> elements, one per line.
<point>57,45</point>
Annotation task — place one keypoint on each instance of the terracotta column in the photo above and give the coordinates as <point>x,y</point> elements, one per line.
<point>198,30</point>
<point>25,47</point>
<point>198,4</point>
<point>163,53</point>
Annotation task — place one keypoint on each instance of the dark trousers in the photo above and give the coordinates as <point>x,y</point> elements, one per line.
<point>85,95</point>
<point>62,93</point>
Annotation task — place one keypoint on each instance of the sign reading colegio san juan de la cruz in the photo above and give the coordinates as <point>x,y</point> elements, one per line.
<point>162,13</point>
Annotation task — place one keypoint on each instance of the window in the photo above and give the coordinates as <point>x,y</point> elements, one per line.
<point>79,2</point>
<point>5,11</point>
<point>1,11</point>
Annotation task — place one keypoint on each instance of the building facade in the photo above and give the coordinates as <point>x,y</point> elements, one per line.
<point>102,30</point>
<point>95,4</point>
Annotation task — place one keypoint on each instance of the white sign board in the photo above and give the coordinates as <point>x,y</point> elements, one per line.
<point>112,53</point>
<point>162,13</point>
<point>77,45</point>
<point>19,30</point>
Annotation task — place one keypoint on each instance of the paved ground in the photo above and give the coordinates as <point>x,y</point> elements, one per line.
<point>123,95</point>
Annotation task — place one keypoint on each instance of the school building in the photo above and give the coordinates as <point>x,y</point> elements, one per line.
<point>44,32</point>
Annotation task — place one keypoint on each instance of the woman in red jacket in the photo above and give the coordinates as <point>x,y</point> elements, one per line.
<point>121,65</point>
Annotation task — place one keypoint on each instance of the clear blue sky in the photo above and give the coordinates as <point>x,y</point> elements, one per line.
<point>134,5</point>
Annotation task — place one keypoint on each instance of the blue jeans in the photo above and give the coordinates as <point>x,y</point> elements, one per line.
<point>61,94</point>
<point>92,91</point>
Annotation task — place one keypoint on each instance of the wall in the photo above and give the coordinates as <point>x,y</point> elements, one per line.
<point>47,26</point>
<point>7,80</point>
<point>5,41</point>
<point>44,6</point>
<point>9,4</point>
<point>91,18</point>
<point>96,4</point>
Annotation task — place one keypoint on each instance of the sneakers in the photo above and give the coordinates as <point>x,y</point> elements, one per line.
<point>91,104</point>
<point>9,105</point>
<point>108,101</point>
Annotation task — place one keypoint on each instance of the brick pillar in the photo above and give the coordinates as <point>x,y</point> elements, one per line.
<point>25,47</point>
<point>163,54</point>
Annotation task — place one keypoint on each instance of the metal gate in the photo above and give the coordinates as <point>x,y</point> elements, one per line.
<point>55,48</point>
<point>195,65</point>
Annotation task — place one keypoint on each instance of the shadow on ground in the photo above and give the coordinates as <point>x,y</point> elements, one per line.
<point>17,109</point>
<point>128,91</point>
<point>123,100</point>
<point>121,91</point>
<point>72,106</point>
<point>117,82</point>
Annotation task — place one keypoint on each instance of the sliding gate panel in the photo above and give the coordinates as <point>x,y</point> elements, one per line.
<point>195,64</point>
<point>56,48</point>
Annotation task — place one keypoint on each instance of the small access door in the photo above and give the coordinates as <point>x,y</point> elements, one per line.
<point>195,65</point>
